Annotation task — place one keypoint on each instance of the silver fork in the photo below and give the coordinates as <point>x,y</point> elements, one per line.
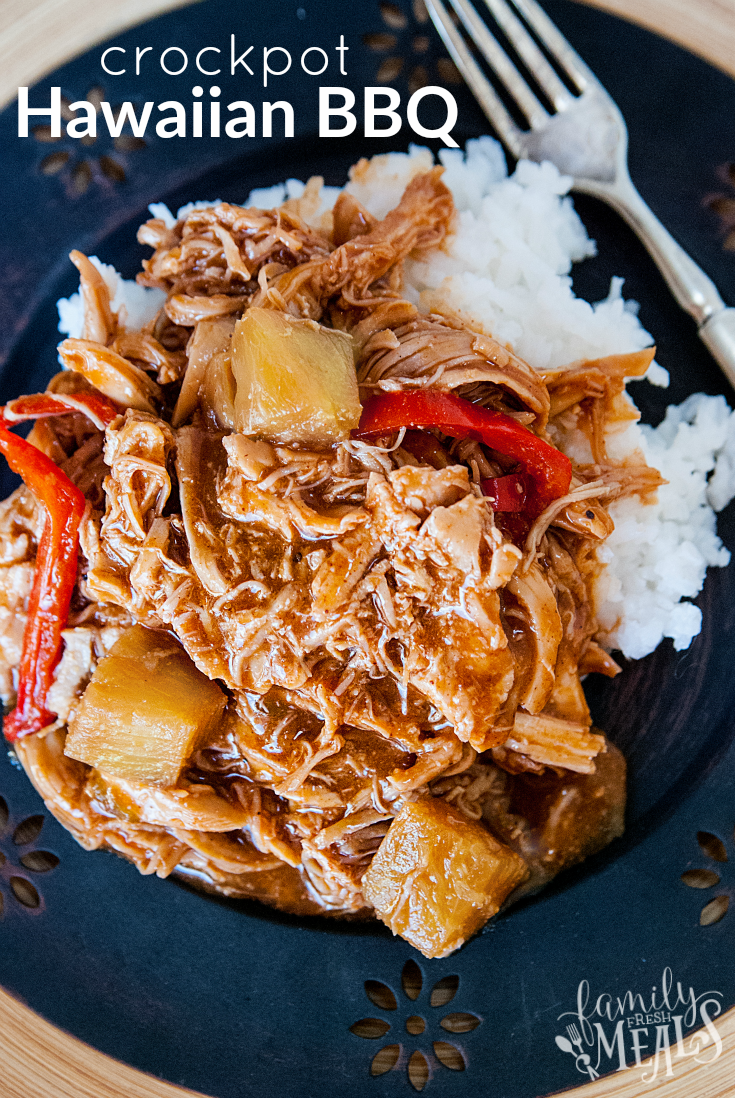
<point>585,137</point>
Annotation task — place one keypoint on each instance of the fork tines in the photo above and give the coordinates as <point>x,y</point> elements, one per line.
<point>516,21</point>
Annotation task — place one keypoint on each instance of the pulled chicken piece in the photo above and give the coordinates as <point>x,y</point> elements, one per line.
<point>419,222</point>
<point>437,353</point>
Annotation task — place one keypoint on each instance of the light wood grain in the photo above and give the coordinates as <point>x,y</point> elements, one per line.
<point>36,36</point>
<point>706,27</point>
<point>37,1060</point>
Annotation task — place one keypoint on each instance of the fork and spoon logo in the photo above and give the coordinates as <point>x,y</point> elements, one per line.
<point>582,1060</point>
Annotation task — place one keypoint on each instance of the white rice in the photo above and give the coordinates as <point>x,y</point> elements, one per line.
<point>658,553</point>
<point>135,305</point>
<point>507,270</point>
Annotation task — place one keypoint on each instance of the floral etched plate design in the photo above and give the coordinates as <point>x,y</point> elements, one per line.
<point>230,998</point>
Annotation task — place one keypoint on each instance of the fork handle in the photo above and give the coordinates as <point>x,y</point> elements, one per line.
<point>718,335</point>
<point>695,291</point>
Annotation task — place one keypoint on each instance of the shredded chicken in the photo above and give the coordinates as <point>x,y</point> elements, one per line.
<point>380,634</point>
<point>437,353</point>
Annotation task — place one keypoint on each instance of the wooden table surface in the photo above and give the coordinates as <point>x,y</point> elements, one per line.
<point>37,1060</point>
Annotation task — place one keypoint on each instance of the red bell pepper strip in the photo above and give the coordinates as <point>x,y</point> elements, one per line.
<point>506,493</point>
<point>100,409</point>
<point>549,471</point>
<point>56,560</point>
<point>53,582</point>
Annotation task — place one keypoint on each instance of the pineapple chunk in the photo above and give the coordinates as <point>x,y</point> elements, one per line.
<point>437,877</point>
<point>145,710</point>
<point>296,380</point>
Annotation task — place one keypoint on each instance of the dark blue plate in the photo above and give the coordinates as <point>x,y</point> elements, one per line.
<point>230,998</point>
